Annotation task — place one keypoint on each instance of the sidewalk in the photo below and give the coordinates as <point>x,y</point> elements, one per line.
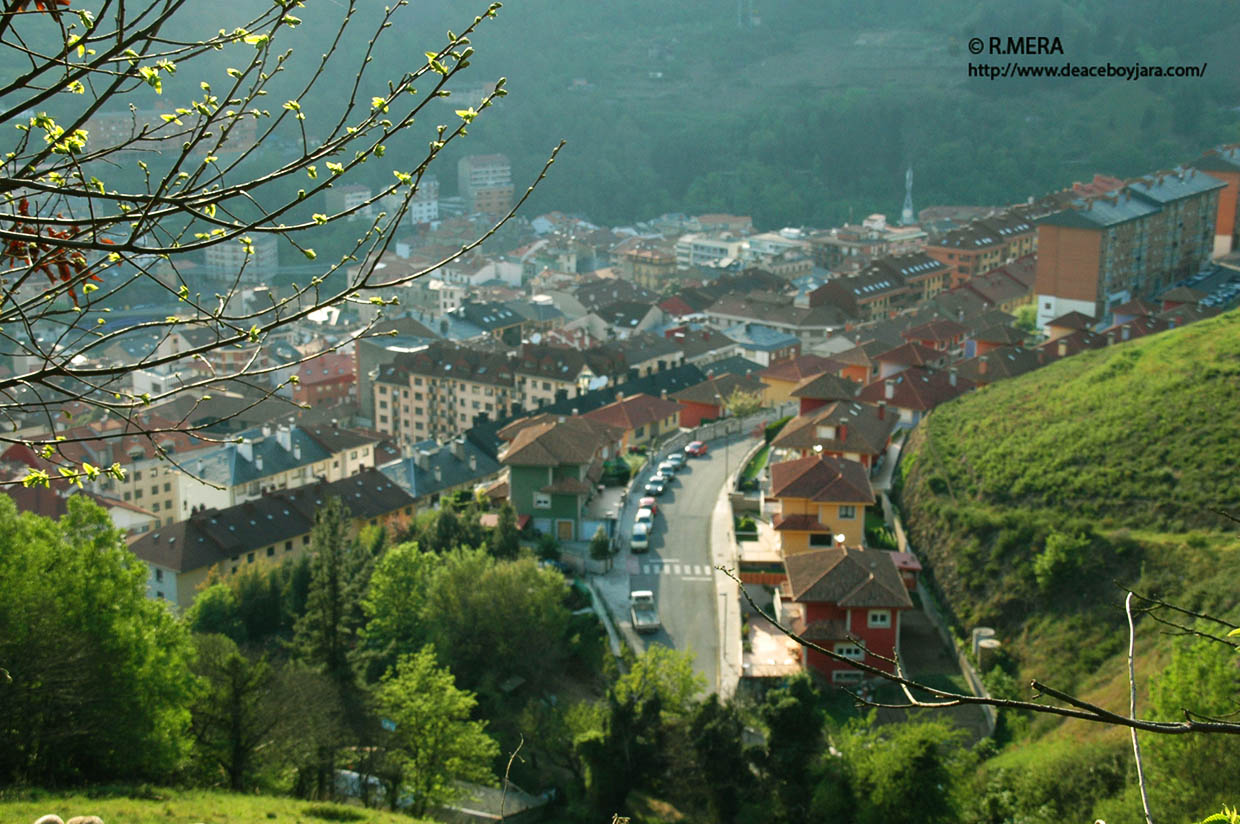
<point>725,553</point>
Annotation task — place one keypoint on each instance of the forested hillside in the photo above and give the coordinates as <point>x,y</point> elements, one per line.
<point>806,114</point>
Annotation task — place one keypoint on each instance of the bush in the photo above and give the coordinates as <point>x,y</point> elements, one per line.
<point>745,523</point>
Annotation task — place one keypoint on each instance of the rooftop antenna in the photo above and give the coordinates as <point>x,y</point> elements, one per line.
<point>906,215</point>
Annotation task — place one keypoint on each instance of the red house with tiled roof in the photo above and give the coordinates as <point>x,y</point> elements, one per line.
<point>819,390</point>
<point>941,334</point>
<point>1132,310</point>
<point>1000,363</point>
<point>705,400</point>
<point>642,417</point>
<point>915,391</point>
<point>908,355</point>
<point>848,600</point>
<point>1069,344</point>
<point>1181,296</point>
<point>992,338</point>
<point>326,380</point>
<point>676,307</point>
<point>854,431</point>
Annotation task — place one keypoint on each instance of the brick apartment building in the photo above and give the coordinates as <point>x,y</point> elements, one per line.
<point>1224,163</point>
<point>1104,251</point>
<point>485,182</point>
<point>984,244</point>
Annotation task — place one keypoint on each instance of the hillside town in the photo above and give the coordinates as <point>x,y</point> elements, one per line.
<point>523,371</point>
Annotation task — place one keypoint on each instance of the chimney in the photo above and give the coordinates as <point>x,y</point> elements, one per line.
<point>421,460</point>
<point>663,394</point>
<point>882,410</point>
<point>246,450</point>
<point>574,413</point>
<point>951,376</point>
<point>619,396</point>
<point>473,462</point>
<point>1127,331</point>
<point>1063,349</point>
<point>297,451</point>
<point>284,437</point>
<point>889,389</point>
<point>438,474</point>
<point>258,462</point>
<point>842,434</point>
<point>266,431</point>
<point>458,449</point>
<point>983,364</point>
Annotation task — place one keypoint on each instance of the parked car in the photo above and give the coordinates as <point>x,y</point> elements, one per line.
<point>667,469</point>
<point>654,487</point>
<point>664,478</point>
<point>644,516</point>
<point>640,540</point>
<point>677,459</point>
<point>697,449</point>
<point>643,613</point>
<point>648,503</point>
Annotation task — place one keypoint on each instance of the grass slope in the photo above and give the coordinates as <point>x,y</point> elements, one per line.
<point>184,807</point>
<point>1034,497</point>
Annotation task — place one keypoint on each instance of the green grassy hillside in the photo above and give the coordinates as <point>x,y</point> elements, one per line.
<point>1038,500</point>
<point>183,807</point>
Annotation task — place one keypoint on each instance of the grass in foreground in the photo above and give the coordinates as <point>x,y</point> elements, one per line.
<point>168,806</point>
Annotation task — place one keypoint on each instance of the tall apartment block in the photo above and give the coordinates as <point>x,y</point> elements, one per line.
<point>1224,163</point>
<point>485,183</point>
<point>1103,251</point>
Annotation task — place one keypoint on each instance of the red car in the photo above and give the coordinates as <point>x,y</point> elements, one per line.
<point>648,503</point>
<point>696,449</point>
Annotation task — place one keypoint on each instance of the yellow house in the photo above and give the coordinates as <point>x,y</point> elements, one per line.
<point>782,377</point>
<point>820,497</point>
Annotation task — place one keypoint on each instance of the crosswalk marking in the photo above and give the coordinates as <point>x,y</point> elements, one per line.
<point>694,572</point>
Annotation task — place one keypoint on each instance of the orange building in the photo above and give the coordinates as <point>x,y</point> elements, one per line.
<point>1224,164</point>
<point>1104,251</point>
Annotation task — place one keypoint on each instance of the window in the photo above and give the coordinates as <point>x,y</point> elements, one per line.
<point>849,676</point>
<point>383,405</point>
<point>542,500</point>
<point>167,486</point>
<point>155,506</point>
<point>249,558</point>
<point>271,551</point>
<point>821,539</point>
<point>159,595</point>
<point>288,546</point>
<point>154,489</point>
<point>848,512</point>
<point>305,540</point>
<point>137,493</point>
<point>137,476</point>
<point>383,391</point>
<point>127,496</point>
<point>353,454</point>
<point>383,419</point>
<point>850,651</point>
<point>159,574</point>
<point>879,619</point>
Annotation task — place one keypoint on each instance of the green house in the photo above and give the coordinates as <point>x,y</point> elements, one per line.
<point>554,464</point>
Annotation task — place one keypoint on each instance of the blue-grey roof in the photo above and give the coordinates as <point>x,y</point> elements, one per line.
<point>1100,212</point>
<point>227,466</point>
<point>763,338</point>
<point>735,365</point>
<point>454,468</point>
<point>1176,185</point>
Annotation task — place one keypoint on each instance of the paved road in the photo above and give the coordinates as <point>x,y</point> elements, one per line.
<point>678,565</point>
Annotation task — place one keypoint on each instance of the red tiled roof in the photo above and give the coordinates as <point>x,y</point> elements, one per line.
<point>847,576</point>
<point>552,442</point>
<point>1073,320</point>
<point>911,354</point>
<point>822,478</point>
<point>798,369</point>
<point>634,411</point>
<point>916,388</point>
<point>940,329</point>
<point>799,523</point>
<point>826,387</point>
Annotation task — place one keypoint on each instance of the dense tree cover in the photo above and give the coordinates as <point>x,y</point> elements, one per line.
<point>97,675</point>
<point>434,740</point>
